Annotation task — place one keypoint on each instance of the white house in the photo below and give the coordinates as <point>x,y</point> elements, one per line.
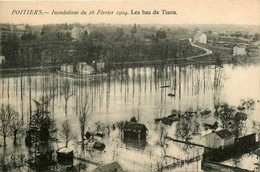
<point>200,38</point>
<point>67,68</point>
<point>100,66</point>
<point>76,32</point>
<point>219,139</point>
<point>2,59</point>
<point>239,50</point>
<point>84,68</point>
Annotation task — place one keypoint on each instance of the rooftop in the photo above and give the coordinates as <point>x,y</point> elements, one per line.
<point>112,167</point>
<point>134,126</point>
<point>224,133</point>
<point>64,150</point>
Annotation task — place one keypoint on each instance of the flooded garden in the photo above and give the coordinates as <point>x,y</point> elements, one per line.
<point>142,94</point>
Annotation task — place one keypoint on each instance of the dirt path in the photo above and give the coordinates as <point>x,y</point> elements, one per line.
<point>207,51</point>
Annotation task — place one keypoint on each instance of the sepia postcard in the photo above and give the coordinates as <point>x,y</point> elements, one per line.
<point>133,86</point>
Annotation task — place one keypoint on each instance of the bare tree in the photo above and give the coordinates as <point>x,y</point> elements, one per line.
<point>85,112</point>
<point>186,128</point>
<point>6,117</point>
<point>66,132</point>
<point>16,127</point>
<point>66,92</point>
<point>101,127</point>
<point>161,140</point>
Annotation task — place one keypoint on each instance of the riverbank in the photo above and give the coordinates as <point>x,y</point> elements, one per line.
<point>205,58</point>
<point>31,69</point>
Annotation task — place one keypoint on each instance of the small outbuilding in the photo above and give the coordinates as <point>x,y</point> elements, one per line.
<point>135,131</point>
<point>219,139</point>
<point>112,167</point>
<point>93,134</point>
<point>210,123</point>
<point>239,50</point>
<point>65,156</point>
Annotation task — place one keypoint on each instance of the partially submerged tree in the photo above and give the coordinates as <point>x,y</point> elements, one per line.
<point>66,132</point>
<point>186,128</point>
<point>85,112</point>
<point>16,127</point>
<point>120,125</point>
<point>161,140</point>
<point>232,119</point>
<point>101,127</point>
<point>226,114</point>
<point>6,116</point>
<point>66,92</point>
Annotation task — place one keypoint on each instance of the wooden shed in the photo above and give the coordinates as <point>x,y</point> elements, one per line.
<point>65,156</point>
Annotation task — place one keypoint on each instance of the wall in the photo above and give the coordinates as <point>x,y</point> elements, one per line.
<point>229,141</point>
<point>213,141</point>
<point>220,167</point>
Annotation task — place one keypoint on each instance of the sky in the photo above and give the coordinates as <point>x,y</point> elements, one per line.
<point>244,12</point>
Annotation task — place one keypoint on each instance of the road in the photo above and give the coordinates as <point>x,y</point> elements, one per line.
<point>207,51</point>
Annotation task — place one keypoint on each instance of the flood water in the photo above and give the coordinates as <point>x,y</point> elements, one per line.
<point>124,93</point>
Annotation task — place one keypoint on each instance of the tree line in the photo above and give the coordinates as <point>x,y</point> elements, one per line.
<point>56,44</point>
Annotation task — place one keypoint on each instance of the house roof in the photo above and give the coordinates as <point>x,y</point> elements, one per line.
<point>239,46</point>
<point>210,121</point>
<point>224,133</point>
<point>112,167</point>
<point>134,126</point>
<point>64,150</point>
<point>199,34</point>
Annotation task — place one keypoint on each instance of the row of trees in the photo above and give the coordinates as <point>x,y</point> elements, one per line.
<point>10,123</point>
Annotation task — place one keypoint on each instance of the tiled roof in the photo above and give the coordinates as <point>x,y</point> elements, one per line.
<point>224,133</point>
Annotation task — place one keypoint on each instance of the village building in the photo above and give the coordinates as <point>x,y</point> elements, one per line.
<point>2,60</point>
<point>76,32</point>
<point>84,68</point>
<point>239,50</point>
<point>133,130</point>
<point>65,156</point>
<point>100,66</point>
<point>93,134</point>
<point>215,35</point>
<point>67,68</point>
<point>210,123</point>
<point>112,167</point>
<point>219,139</point>
<point>200,38</point>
